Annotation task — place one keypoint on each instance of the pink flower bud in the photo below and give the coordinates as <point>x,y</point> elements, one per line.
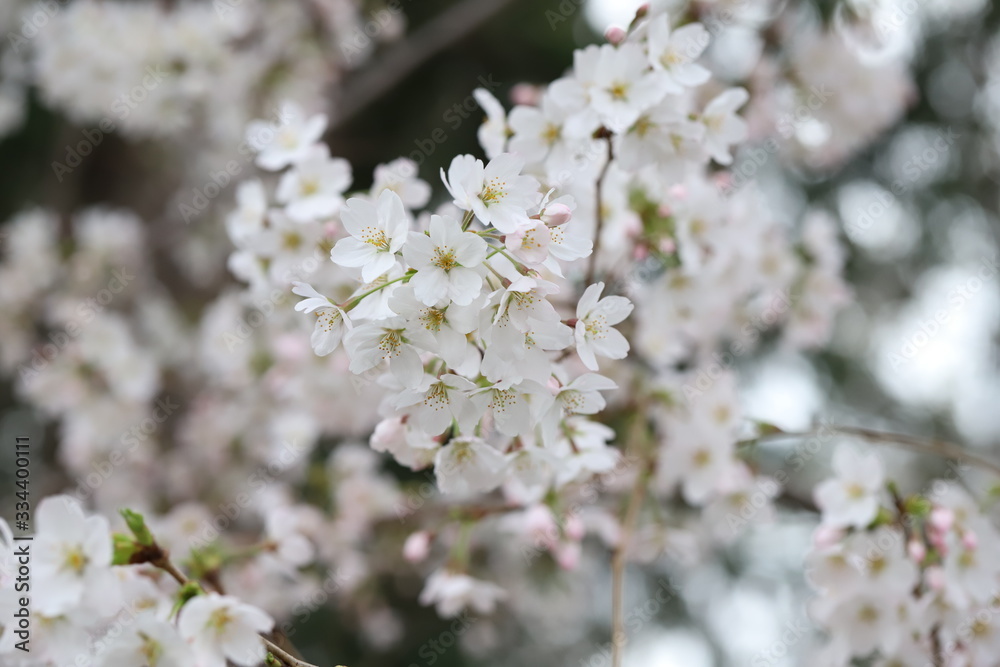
<point>937,541</point>
<point>664,210</point>
<point>417,546</point>
<point>825,537</point>
<point>941,519</point>
<point>677,191</point>
<point>568,555</point>
<point>574,529</point>
<point>525,94</point>
<point>538,521</point>
<point>916,550</point>
<point>970,541</point>
<point>556,214</point>
<point>934,577</point>
<point>640,252</point>
<point>615,34</point>
<point>668,246</point>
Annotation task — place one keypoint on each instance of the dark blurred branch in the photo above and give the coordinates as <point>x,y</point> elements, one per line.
<point>402,59</point>
<point>942,448</point>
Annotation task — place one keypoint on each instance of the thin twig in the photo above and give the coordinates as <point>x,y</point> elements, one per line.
<point>167,566</point>
<point>284,656</point>
<point>599,215</point>
<point>422,44</point>
<point>618,559</point>
<point>942,448</point>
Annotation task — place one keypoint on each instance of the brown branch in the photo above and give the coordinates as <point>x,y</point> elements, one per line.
<point>422,44</point>
<point>599,213</point>
<point>942,448</point>
<point>618,560</point>
<point>163,562</point>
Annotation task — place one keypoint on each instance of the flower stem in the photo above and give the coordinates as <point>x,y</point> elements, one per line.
<point>942,448</point>
<point>167,566</point>
<point>358,299</point>
<point>592,265</point>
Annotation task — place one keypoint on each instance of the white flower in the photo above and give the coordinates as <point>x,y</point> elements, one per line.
<point>513,355</point>
<point>622,87</point>
<point>852,497</point>
<point>529,242</point>
<point>289,143</point>
<point>148,642</point>
<point>699,456</point>
<point>445,261</point>
<point>523,299</point>
<point>723,127</point>
<point>400,176</point>
<point>72,559</point>
<point>376,234</point>
<point>538,131</point>
<point>582,396</point>
<point>865,621</point>
<point>385,340</point>
<point>441,330</point>
<point>582,449</point>
<point>675,53</point>
<point>331,320</point>
<point>247,221</point>
<point>220,627</point>
<point>313,189</point>
<point>492,134</point>
<point>595,318</point>
<point>512,406</point>
<point>451,592</point>
<point>468,465</point>
<point>440,401</point>
<point>498,193</point>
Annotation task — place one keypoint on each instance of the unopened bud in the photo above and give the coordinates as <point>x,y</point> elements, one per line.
<point>942,519</point>
<point>934,576</point>
<point>525,94</point>
<point>557,214</point>
<point>615,35</point>
<point>575,530</point>
<point>916,550</point>
<point>970,541</point>
<point>417,546</point>
<point>826,536</point>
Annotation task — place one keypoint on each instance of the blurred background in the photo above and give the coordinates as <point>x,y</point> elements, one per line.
<point>915,352</point>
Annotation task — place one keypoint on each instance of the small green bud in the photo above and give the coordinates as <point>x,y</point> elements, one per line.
<point>917,506</point>
<point>137,524</point>
<point>123,546</point>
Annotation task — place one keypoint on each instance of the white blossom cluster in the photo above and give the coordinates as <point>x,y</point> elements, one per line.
<point>908,581</point>
<point>168,70</point>
<point>565,321</point>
